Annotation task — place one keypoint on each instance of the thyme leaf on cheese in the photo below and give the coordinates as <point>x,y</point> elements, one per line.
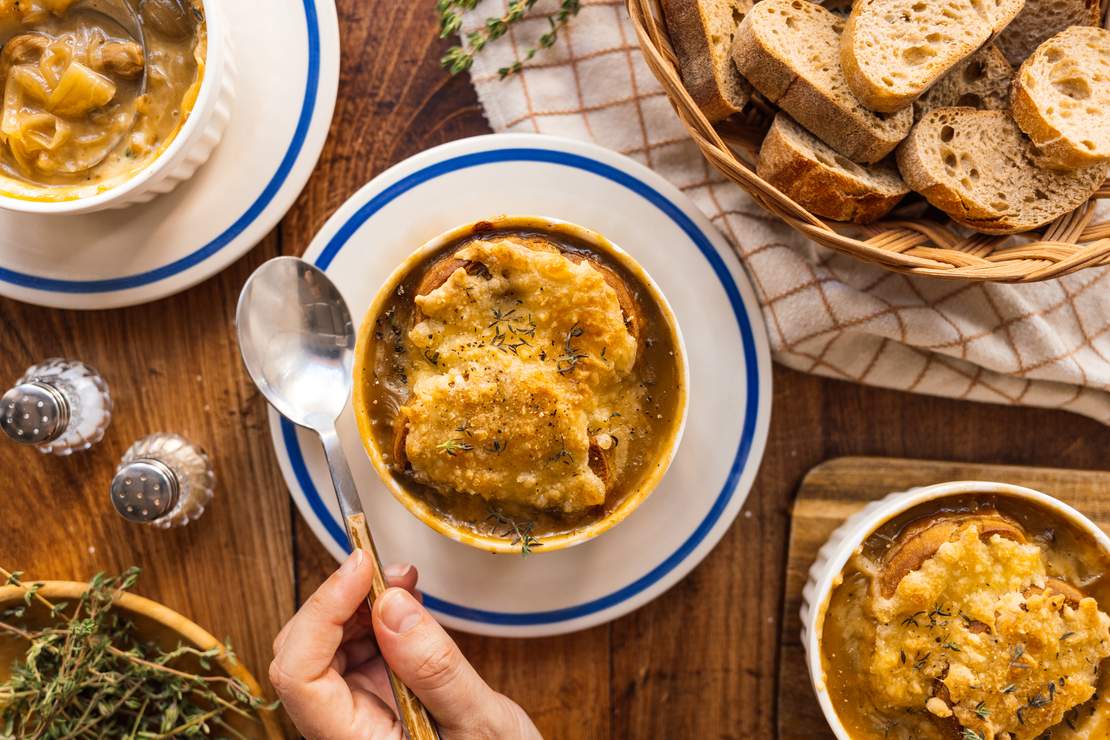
<point>453,447</point>
<point>571,356</point>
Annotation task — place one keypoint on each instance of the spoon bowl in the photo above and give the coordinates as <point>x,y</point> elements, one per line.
<point>297,340</point>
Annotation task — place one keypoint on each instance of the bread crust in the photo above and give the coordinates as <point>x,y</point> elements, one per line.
<point>772,75</point>
<point>822,189</point>
<point>690,33</point>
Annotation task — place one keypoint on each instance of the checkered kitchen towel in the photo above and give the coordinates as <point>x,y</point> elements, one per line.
<point>1046,344</point>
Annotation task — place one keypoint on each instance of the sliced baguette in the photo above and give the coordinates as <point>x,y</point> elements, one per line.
<point>892,51</point>
<point>981,81</point>
<point>787,49</point>
<point>977,167</point>
<point>1062,97</point>
<point>823,181</point>
<point>702,32</point>
<point>1040,20</point>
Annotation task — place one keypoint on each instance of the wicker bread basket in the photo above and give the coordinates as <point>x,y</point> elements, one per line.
<point>915,238</point>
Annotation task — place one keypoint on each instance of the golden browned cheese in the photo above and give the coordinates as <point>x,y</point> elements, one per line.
<point>975,640</point>
<point>523,365</point>
<point>83,108</point>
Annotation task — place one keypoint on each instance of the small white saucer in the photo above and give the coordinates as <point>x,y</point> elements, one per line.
<point>730,372</point>
<point>286,60</point>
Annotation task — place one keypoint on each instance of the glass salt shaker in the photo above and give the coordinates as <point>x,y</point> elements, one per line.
<point>59,407</point>
<point>163,480</point>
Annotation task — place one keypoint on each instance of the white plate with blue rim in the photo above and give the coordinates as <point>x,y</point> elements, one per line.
<point>730,374</point>
<point>287,76</point>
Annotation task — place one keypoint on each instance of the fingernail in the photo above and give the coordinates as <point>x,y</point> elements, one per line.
<point>397,571</point>
<point>399,611</point>
<point>354,561</point>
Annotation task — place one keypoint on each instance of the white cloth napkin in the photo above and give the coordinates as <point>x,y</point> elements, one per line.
<point>1046,344</point>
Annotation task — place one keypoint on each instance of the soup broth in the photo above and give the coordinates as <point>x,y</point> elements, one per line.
<point>947,647</point>
<point>85,105</point>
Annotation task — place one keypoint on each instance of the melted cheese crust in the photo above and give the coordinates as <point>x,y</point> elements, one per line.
<point>1011,659</point>
<point>521,365</point>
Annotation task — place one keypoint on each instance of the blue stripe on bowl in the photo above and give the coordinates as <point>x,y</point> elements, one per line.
<point>751,370</point>
<point>260,204</point>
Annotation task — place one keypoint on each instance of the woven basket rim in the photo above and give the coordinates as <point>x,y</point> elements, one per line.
<point>916,246</point>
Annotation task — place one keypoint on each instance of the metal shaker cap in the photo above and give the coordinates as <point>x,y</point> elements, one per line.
<point>34,413</point>
<point>144,490</point>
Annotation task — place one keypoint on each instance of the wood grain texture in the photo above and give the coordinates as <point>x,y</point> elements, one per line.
<point>833,491</point>
<point>699,662</point>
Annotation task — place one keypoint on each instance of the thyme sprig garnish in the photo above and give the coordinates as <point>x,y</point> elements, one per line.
<point>89,675</point>
<point>454,447</point>
<point>570,358</point>
<point>521,532</point>
<point>461,57</point>
<point>969,734</point>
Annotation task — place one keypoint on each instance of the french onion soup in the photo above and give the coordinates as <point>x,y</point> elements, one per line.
<point>85,105</point>
<point>971,617</point>
<point>521,383</point>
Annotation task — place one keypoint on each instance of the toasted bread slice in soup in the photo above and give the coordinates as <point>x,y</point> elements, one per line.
<point>920,541</point>
<point>601,445</point>
<point>892,51</point>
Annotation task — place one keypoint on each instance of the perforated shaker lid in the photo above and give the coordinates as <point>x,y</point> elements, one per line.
<point>34,413</point>
<point>144,490</point>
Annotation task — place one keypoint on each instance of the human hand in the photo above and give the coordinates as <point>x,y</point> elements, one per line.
<point>329,674</point>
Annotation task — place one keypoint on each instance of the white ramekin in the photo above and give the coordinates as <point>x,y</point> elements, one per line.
<point>191,148</point>
<point>825,574</point>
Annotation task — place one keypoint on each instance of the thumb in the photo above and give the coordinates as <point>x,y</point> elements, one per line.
<point>429,662</point>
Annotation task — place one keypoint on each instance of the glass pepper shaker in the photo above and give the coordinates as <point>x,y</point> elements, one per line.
<point>163,480</point>
<point>59,407</point>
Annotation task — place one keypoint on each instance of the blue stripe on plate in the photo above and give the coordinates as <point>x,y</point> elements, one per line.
<point>751,370</point>
<point>191,260</point>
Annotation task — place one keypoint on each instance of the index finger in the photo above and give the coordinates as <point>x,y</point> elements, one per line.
<point>316,631</point>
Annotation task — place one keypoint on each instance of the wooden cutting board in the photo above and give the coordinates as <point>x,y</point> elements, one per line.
<point>832,492</point>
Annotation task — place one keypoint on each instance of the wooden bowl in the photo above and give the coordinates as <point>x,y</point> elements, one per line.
<point>910,240</point>
<point>154,622</point>
<point>417,505</point>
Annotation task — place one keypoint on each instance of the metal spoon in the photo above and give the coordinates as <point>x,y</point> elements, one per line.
<point>297,340</point>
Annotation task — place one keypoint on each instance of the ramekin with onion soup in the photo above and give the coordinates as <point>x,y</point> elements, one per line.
<point>520,384</point>
<point>967,614</point>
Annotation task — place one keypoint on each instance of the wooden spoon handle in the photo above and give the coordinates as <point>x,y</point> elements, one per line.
<point>418,724</point>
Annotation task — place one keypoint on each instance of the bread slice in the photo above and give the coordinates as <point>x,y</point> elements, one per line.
<point>892,51</point>
<point>787,49</point>
<point>1062,97</point>
<point>977,167</point>
<point>1040,20</point>
<point>702,32</point>
<point>980,81</point>
<point>826,183</point>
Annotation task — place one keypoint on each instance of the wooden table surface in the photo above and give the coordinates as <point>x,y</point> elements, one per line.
<point>698,662</point>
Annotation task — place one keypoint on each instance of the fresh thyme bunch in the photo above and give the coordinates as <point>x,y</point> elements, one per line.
<point>89,676</point>
<point>460,58</point>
